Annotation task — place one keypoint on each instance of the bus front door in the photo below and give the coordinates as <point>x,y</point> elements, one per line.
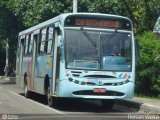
<point>56,62</point>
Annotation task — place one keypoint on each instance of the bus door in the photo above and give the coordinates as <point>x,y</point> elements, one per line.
<point>56,57</point>
<point>20,60</point>
<point>35,36</point>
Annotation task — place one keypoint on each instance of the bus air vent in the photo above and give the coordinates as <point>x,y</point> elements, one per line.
<point>90,92</point>
<point>76,73</point>
<point>108,84</point>
<point>99,76</point>
<point>90,83</point>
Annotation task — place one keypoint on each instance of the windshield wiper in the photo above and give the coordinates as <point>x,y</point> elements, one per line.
<point>88,37</point>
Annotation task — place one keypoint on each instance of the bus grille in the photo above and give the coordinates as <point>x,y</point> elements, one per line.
<point>90,92</point>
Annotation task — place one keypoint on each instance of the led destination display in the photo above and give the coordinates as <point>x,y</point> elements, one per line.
<point>98,21</point>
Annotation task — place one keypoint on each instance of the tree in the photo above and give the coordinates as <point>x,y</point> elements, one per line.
<point>9,27</point>
<point>33,12</point>
<point>148,68</point>
<point>143,13</point>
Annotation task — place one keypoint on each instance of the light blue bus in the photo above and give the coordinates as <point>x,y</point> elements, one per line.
<point>78,55</point>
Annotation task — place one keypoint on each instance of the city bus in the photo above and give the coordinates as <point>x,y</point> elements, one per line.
<point>78,55</point>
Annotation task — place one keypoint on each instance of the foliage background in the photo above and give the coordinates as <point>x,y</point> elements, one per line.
<point>17,15</point>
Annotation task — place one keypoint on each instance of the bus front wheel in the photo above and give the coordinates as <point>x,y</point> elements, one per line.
<point>107,103</point>
<point>52,101</point>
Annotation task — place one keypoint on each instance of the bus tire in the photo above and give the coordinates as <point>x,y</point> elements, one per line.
<point>107,103</point>
<point>49,99</point>
<point>47,91</point>
<point>26,91</point>
<point>53,101</point>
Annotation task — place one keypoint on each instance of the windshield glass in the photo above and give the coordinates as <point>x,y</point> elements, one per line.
<point>86,49</point>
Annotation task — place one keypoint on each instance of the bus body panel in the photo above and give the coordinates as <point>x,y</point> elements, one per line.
<point>68,90</point>
<point>124,83</point>
<point>27,70</point>
<point>43,68</point>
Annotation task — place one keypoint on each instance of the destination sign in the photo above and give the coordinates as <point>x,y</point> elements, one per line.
<point>98,21</point>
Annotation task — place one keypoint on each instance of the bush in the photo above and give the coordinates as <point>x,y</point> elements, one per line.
<point>148,67</point>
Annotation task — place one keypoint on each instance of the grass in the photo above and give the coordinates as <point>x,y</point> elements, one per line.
<point>145,96</point>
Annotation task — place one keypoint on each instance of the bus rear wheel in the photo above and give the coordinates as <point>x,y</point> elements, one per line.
<point>107,103</point>
<point>26,91</point>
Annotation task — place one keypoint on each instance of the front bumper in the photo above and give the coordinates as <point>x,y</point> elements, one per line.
<point>73,90</point>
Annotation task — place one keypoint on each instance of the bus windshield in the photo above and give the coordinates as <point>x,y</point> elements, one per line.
<point>98,50</point>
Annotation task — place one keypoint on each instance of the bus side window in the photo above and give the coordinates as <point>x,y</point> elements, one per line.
<point>30,44</point>
<point>21,42</point>
<point>26,45</point>
<point>50,39</point>
<point>42,41</point>
<point>18,48</point>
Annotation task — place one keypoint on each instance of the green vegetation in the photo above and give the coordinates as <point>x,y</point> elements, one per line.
<point>148,67</point>
<point>17,15</point>
<point>147,96</point>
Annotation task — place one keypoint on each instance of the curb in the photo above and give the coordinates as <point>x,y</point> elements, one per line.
<point>2,77</point>
<point>138,106</point>
<point>150,108</point>
<point>8,79</point>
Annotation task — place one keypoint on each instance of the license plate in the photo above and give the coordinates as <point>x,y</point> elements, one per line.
<point>99,90</point>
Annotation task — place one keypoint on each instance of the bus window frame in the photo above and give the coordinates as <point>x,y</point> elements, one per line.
<point>30,45</point>
<point>27,44</point>
<point>46,41</point>
<point>40,41</point>
<point>52,39</point>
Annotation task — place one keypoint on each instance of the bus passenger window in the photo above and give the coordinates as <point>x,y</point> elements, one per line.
<point>50,33</point>
<point>26,45</point>
<point>49,40</point>
<point>42,41</point>
<point>22,42</point>
<point>49,46</point>
<point>30,44</point>
<point>42,47</point>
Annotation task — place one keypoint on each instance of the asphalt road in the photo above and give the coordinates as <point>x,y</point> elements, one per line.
<point>13,105</point>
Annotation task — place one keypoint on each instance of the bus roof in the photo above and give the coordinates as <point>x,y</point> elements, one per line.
<point>62,17</point>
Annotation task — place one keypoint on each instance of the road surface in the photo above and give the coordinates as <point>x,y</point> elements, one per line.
<point>13,105</point>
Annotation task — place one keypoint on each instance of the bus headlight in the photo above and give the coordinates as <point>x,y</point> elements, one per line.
<point>70,79</point>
